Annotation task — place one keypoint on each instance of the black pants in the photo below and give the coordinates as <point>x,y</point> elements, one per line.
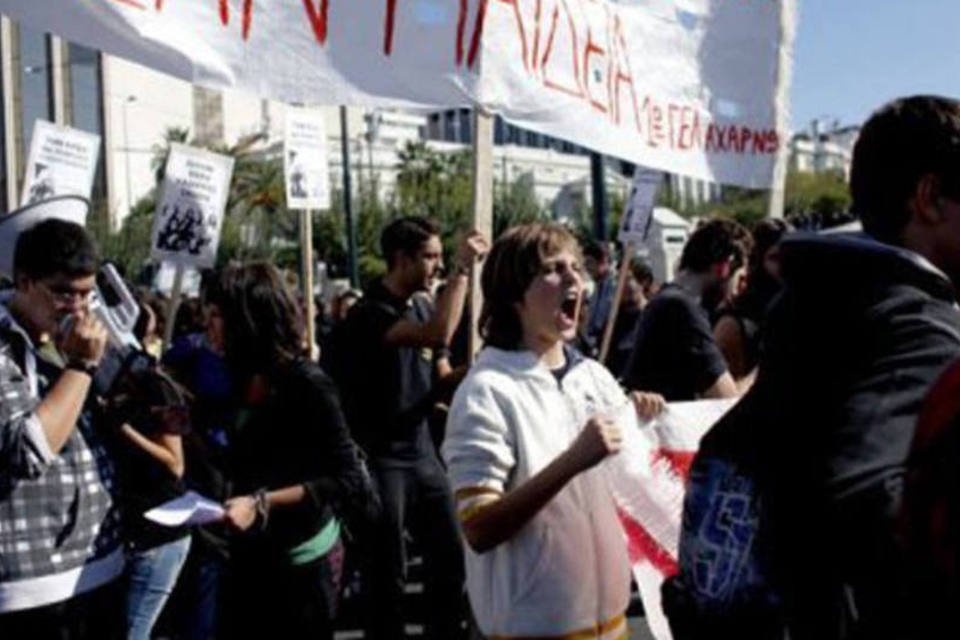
<point>95,615</point>
<point>416,496</point>
<point>271,599</point>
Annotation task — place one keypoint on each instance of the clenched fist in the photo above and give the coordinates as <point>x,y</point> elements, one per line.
<point>599,438</point>
<point>84,340</point>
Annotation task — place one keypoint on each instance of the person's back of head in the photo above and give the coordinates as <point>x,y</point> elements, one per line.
<point>55,247</point>
<point>597,259</point>
<point>642,272</point>
<point>716,241</point>
<point>899,145</point>
<point>405,236</point>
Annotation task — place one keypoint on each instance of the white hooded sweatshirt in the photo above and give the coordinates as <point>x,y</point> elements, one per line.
<point>566,573</point>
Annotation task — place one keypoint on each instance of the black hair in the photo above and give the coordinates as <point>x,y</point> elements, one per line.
<point>54,247</point>
<point>641,270</point>
<point>406,235</point>
<point>714,241</point>
<point>901,143</point>
<point>596,250</point>
<point>766,233</point>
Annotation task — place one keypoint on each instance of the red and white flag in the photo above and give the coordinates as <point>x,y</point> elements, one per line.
<point>648,480</point>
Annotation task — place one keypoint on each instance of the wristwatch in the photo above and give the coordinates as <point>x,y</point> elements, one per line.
<point>83,366</point>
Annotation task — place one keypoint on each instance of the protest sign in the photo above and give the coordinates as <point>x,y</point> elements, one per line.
<point>189,215</point>
<point>638,209</point>
<point>695,87</point>
<point>62,162</point>
<point>305,162</point>
<point>647,479</point>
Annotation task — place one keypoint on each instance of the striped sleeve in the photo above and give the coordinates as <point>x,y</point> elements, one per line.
<point>478,449</point>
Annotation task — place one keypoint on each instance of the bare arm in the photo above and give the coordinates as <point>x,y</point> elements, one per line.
<point>496,519</point>
<point>165,448</point>
<point>723,387</point>
<point>729,338</point>
<point>241,511</point>
<point>60,409</point>
<point>443,324</point>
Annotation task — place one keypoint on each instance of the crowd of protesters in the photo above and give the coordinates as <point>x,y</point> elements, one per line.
<point>330,468</point>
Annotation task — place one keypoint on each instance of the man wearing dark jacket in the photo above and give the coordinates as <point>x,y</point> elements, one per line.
<point>865,324</point>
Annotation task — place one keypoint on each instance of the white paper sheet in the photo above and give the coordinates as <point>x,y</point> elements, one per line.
<point>190,508</point>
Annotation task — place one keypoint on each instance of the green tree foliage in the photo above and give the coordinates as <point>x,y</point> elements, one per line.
<point>515,203</point>
<point>823,193</point>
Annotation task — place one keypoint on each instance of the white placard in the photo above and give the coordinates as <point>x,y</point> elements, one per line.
<point>305,163</point>
<point>638,209</point>
<point>189,215</point>
<point>62,162</point>
<point>697,87</point>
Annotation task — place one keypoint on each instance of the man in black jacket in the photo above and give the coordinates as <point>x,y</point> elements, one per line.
<point>865,324</point>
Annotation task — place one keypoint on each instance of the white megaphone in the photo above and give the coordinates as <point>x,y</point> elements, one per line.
<point>69,208</point>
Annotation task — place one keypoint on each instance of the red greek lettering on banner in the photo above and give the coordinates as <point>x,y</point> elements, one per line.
<point>593,75</point>
<point>223,10</point>
<point>318,16</point>
<point>135,4</point>
<point>623,76</point>
<point>576,90</point>
<point>390,21</point>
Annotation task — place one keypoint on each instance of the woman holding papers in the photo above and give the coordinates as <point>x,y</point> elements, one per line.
<point>151,416</point>
<point>293,462</point>
<point>546,555</point>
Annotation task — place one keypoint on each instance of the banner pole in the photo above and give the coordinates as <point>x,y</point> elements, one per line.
<point>306,258</point>
<point>628,252</point>
<point>482,197</point>
<point>788,29</point>
<point>172,307</point>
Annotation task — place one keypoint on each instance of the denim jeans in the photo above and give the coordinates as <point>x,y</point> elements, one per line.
<point>153,574</point>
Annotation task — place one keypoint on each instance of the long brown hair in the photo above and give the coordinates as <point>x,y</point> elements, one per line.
<point>516,258</point>
<point>262,321</point>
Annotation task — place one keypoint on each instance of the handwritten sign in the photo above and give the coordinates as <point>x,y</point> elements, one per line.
<point>692,87</point>
<point>62,162</point>
<point>189,215</point>
<point>305,163</point>
<point>638,210</point>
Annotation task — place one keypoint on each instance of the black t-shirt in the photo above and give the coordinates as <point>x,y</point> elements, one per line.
<point>145,481</point>
<point>389,410</point>
<point>676,355</point>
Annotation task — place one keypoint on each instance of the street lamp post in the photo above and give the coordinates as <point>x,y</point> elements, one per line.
<point>126,151</point>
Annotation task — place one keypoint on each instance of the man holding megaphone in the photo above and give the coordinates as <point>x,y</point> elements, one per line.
<point>60,547</point>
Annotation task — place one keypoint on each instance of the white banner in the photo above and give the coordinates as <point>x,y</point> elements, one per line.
<point>696,87</point>
<point>62,162</point>
<point>305,163</point>
<point>189,215</point>
<point>647,479</point>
